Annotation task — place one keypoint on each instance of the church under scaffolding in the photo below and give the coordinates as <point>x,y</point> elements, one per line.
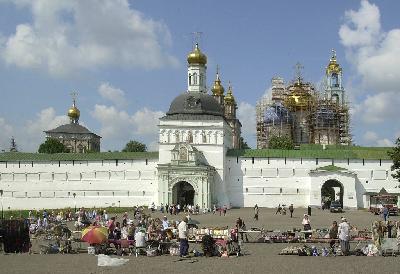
<point>307,116</point>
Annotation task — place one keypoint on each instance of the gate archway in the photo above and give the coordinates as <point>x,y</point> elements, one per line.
<point>183,193</point>
<point>331,190</point>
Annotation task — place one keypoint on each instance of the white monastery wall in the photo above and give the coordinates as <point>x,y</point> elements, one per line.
<point>244,181</point>
<point>272,181</point>
<point>95,183</point>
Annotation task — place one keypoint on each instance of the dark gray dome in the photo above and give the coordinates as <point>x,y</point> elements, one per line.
<point>195,103</point>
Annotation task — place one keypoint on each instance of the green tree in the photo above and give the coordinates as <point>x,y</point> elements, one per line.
<point>395,155</point>
<point>134,146</point>
<point>52,145</point>
<point>280,142</point>
<point>243,144</point>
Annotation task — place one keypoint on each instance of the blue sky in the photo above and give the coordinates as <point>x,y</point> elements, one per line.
<point>127,61</point>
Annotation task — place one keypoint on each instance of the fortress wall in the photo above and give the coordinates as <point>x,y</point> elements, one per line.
<point>272,181</point>
<point>95,183</point>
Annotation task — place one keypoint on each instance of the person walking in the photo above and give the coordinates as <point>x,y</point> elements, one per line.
<point>256,212</point>
<point>344,236</point>
<point>291,209</point>
<point>278,210</point>
<point>183,237</point>
<point>385,213</point>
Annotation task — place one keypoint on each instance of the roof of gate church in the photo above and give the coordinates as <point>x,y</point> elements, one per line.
<point>71,128</point>
<point>188,105</point>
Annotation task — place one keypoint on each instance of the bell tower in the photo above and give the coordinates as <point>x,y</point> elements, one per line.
<point>333,78</point>
<point>197,71</point>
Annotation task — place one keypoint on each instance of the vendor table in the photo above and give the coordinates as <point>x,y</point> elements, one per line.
<point>252,236</point>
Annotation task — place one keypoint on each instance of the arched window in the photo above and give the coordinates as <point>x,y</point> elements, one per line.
<point>190,79</point>
<point>195,78</point>
<point>204,137</point>
<point>177,136</point>
<point>335,80</point>
<point>335,98</point>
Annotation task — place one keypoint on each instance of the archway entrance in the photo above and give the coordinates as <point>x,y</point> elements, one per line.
<point>331,190</point>
<point>183,193</point>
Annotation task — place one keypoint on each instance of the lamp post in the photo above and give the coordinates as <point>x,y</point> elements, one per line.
<point>2,210</point>
<point>74,194</point>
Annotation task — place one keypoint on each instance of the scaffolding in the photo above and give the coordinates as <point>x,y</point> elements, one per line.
<point>302,112</point>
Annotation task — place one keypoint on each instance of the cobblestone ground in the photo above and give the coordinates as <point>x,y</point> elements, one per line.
<point>258,258</point>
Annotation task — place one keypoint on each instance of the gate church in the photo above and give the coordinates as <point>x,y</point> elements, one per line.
<point>199,162</point>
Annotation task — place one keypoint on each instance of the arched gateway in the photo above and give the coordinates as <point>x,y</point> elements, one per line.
<point>183,193</point>
<point>331,190</point>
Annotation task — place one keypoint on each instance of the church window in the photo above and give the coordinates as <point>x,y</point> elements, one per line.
<point>190,79</point>
<point>201,79</point>
<point>177,137</point>
<point>204,137</point>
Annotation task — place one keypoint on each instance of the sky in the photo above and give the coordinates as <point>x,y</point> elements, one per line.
<point>127,61</point>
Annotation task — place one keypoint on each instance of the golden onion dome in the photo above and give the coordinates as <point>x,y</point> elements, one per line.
<point>73,112</point>
<point>333,66</point>
<point>217,89</point>
<point>229,98</point>
<point>196,56</point>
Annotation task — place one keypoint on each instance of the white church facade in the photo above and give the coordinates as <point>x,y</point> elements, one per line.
<point>199,162</point>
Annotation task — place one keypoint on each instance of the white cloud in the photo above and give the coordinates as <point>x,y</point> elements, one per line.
<point>32,134</point>
<point>121,127</point>
<point>379,108</point>
<point>6,132</point>
<point>384,143</point>
<point>362,27</point>
<point>247,116</point>
<point>371,138</point>
<point>146,121</point>
<point>115,95</point>
<point>69,35</point>
<point>374,54</point>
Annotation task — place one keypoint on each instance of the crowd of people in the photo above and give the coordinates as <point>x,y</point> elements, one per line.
<point>140,227</point>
